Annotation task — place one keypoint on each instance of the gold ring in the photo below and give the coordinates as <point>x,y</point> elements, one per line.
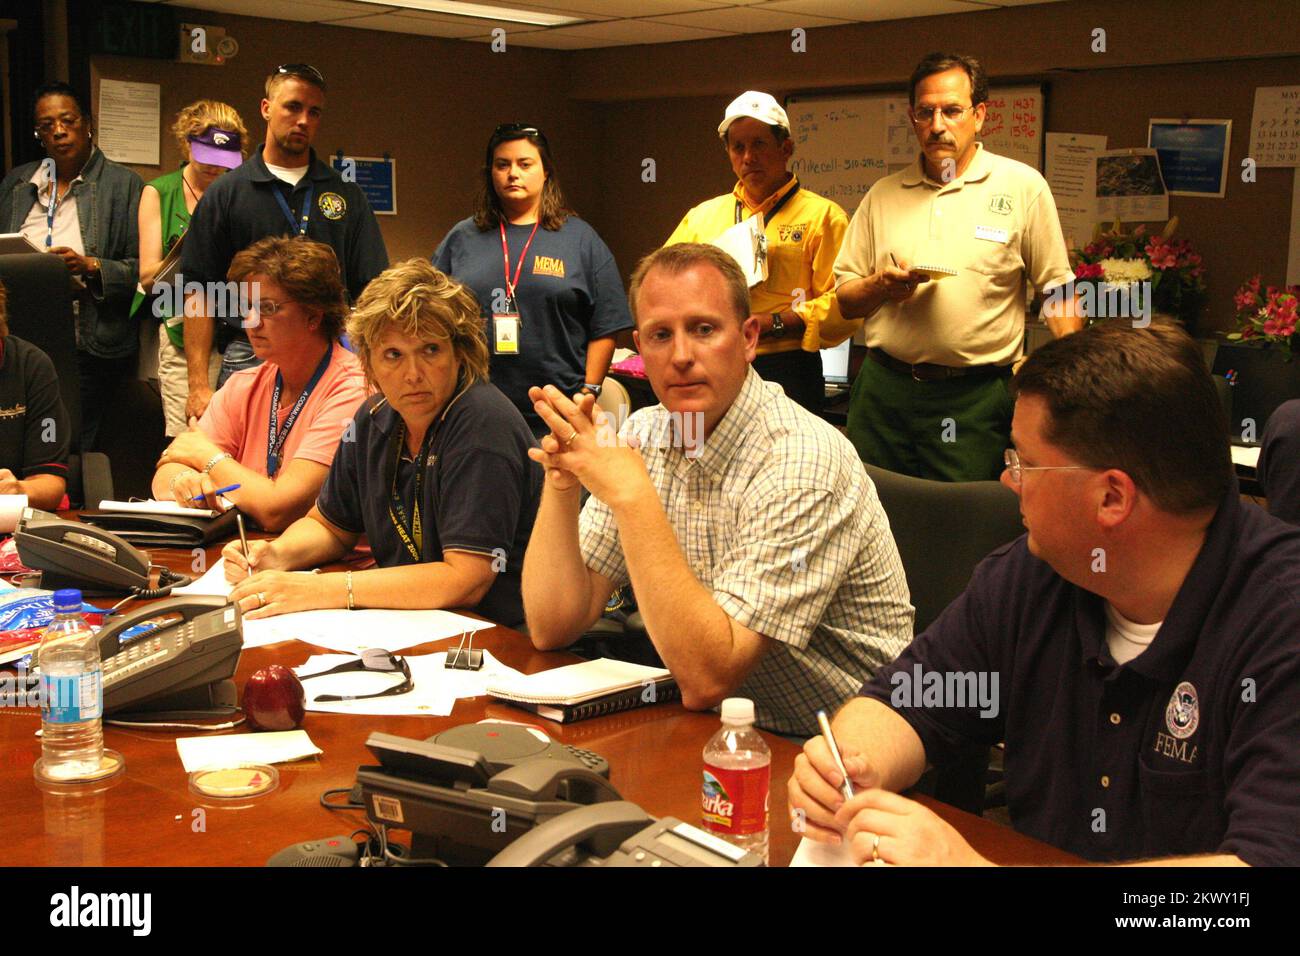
<point>571,437</point>
<point>261,598</point>
<point>875,848</point>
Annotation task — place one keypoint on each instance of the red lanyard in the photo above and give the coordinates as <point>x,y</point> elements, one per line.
<point>523,256</point>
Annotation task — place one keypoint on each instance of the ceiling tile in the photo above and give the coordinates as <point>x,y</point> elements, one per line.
<point>747,20</point>
<point>605,9</point>
<point>616,32</point>
<point>876,9</point>
<point>300,10</point>
<point>433,26</point>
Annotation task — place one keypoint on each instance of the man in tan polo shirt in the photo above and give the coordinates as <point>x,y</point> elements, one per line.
<point>936,259</point>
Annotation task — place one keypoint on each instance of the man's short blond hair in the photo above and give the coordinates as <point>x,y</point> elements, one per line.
<point>424,303</point>
<point>676,259</point>
<point>202,115</point>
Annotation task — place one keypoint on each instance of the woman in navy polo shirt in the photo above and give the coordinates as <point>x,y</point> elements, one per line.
<point>434,472</point>
<point>548,288</point>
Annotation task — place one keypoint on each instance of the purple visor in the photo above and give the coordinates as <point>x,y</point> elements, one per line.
<point>216,147</point>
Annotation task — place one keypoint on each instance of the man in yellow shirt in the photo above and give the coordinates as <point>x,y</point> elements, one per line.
<point>795,306</point>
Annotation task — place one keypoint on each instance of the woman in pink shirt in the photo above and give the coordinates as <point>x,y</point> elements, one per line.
<point>273,429</point>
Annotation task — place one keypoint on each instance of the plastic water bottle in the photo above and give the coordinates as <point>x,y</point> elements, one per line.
<point>737,776</point>
<point>72,694</point>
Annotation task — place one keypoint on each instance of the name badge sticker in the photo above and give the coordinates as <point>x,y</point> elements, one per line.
<point>505,334</point>
<point>991,234</point>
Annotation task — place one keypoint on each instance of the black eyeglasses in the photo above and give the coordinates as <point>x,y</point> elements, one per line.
<point>372,659</point>
<point>304,70</point>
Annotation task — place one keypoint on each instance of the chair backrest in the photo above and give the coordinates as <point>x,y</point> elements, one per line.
<point>943,530</point>
<point>40,311</point>
<point>614,400</point>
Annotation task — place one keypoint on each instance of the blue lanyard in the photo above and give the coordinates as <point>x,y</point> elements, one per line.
<point>306,206</point>
<point>49,210</point>
<point>276,436</point>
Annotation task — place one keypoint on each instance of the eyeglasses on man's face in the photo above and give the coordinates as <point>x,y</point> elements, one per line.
<point>924,115</point>
<point>1016,471</point>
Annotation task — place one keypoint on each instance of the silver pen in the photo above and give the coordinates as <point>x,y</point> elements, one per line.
<point>243,540</point>
<point>846,787</point>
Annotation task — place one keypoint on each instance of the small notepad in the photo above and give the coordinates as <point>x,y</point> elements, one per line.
<point>935,272</point>
<point>155,507</point>
<point>577,682</point>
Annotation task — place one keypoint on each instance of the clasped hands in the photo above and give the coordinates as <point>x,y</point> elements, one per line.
<point>584,448</point>
<point>876,825</point>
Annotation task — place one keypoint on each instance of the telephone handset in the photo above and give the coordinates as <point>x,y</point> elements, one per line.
<point>618,833</point>
<point>178,669</point>
<point>74,555</point>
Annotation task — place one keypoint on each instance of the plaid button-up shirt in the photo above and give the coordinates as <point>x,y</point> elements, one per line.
<point>777,517</point>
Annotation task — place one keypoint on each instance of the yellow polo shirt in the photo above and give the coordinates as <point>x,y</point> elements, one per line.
<point>996,225</point>
<point>802,241</point>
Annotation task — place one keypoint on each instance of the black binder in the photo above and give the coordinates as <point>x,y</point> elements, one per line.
<point>165,531</point>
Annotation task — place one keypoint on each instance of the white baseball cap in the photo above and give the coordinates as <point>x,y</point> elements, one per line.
<point>760,106</point>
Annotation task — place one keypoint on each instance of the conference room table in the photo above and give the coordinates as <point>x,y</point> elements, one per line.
<point>147,816</point>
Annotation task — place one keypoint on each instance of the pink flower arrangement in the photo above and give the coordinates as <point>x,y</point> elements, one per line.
<point>1177,272</point>
<point>1268,316</point>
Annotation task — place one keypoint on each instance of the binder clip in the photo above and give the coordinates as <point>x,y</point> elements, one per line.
<point>464,658</point>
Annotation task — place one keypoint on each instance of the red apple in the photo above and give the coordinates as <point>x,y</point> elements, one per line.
<point>274,699</point>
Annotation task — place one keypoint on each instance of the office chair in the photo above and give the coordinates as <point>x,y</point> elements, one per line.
<point>40,311</point>
<point>943,530</point>
<point>614,401</point>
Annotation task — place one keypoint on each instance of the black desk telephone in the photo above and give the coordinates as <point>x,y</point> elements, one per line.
<point>70,554</point>
<point>176,670</point>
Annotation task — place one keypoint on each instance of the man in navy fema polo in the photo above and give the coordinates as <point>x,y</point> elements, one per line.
<point>1145,633</point>
<point>282,190</point>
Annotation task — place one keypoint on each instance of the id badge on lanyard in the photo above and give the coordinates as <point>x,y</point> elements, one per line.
<point>506,325</point>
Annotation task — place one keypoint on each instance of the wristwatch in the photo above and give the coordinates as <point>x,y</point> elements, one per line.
<point>778,327</point>
<point>594,389</point>
<point>216,460</point>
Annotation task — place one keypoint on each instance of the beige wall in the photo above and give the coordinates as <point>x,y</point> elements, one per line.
<point>432,103</point>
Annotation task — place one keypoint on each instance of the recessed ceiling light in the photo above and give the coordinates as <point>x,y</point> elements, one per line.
<point>480,11</point>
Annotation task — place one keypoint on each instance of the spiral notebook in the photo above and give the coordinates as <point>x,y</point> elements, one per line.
<point>589,689</point>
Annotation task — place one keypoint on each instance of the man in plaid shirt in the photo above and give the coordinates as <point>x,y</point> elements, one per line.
<point>762,561</point>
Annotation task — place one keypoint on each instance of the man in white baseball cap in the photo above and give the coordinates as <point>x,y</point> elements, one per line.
<point>795,306</point>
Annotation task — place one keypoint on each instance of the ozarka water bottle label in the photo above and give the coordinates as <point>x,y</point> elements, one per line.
<point>72,699</point>
<point>735,801</point>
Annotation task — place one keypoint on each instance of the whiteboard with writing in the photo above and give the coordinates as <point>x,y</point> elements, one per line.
<point>843,144</point>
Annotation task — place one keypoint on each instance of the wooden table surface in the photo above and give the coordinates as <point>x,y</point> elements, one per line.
<point>147,816</point>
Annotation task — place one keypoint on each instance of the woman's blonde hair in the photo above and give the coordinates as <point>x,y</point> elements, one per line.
<point>424,303</point>
<point>202,115</point>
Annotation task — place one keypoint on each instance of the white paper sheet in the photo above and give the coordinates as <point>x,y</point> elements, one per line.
<point>231,750</point>
<point>744,242</point>
<point>812,853</point>
<point>212,582</point>
<point>128,123</point>
<point>435,693</point>
<point>155,507</point>
<point>1072,176</point>
<point>348,632</point>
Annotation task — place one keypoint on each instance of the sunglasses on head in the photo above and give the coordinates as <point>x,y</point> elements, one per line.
<point>516,130</point>
<point>303,70</point>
